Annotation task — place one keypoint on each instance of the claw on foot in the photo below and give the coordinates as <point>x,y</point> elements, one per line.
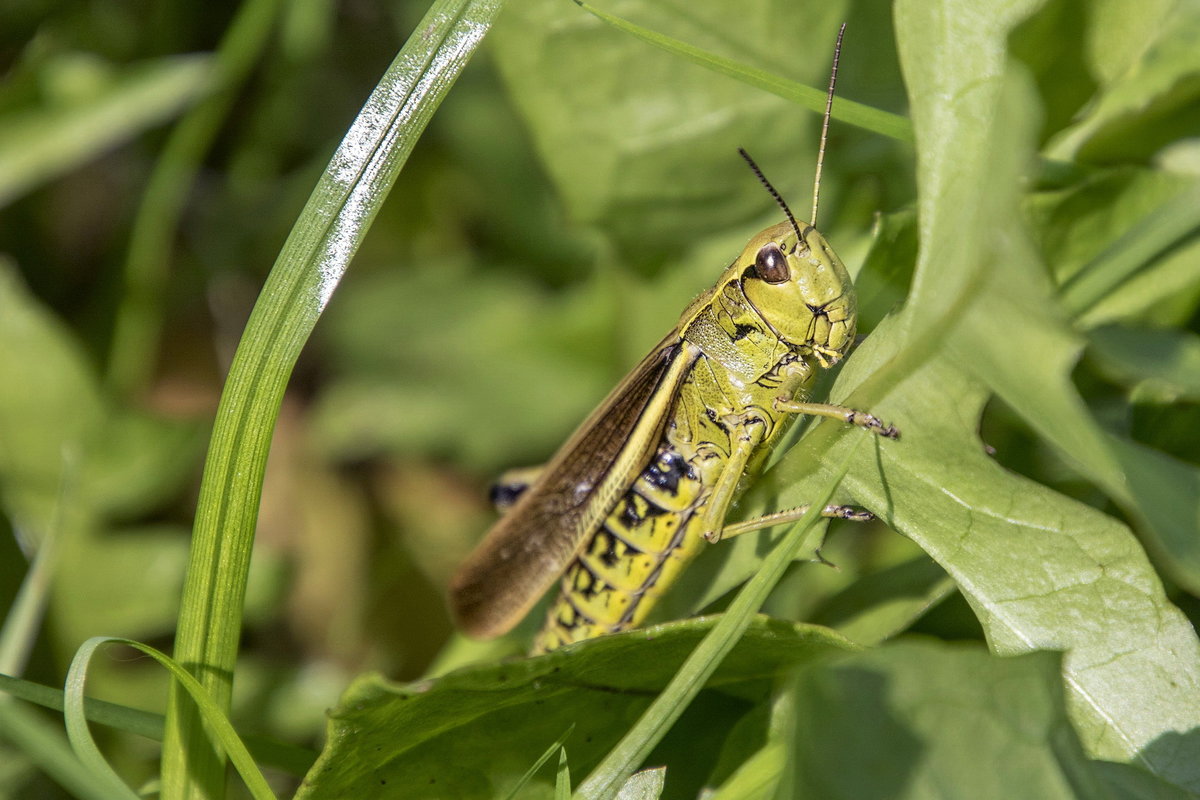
<point>873,424</point>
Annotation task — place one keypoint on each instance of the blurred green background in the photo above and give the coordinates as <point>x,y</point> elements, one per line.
<point>549,227</point>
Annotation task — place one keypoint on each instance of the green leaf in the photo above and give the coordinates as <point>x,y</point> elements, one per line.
<point>425,739</point>
<point>423,397</point>
<point>1149,61</point>
<point>884,604</point>
<point>1164,364</point>
<point>1005,302</point>
<point>645,785</point>
<point>1041,571</point>
<point>920,719</point>
<point>648,154</point>
<point>50,408</point>
<point>815,99</point>
<point>138,460</point>
<point>138,573</point>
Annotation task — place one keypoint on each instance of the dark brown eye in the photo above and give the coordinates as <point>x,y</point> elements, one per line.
<point>771,265</point>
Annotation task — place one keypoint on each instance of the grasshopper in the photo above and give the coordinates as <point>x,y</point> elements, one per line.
<point>649,476</point>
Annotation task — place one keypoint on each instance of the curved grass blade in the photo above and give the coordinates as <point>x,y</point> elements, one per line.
<point>309,267</point>
<point>214,716</point>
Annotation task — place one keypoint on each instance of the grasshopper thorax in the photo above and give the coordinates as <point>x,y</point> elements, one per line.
<point>801,289</point>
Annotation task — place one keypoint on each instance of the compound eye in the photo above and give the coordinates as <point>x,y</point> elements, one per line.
<point>771,265</point>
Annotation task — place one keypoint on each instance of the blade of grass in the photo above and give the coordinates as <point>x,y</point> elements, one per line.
<point>39,145</point>
<point>557,747</point>
<point>24,617</point>
<point>139,316</point>
<point>612,773</point>
<point>872,119</point>
<point>562,778</point>
<point>214,716</point>
<point>309,267</point>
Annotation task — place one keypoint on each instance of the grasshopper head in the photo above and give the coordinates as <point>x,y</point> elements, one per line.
<point>801,290</point>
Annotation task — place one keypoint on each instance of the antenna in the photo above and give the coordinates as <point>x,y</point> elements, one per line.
<point>837,53</point>
<point>771,189</point>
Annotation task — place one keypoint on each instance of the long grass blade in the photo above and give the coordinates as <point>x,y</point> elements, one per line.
<point>309,268</point>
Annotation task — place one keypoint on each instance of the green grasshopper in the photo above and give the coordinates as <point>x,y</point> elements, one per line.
<point>649,477</point>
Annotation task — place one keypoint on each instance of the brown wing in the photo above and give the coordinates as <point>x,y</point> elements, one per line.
<point>528,549</point>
